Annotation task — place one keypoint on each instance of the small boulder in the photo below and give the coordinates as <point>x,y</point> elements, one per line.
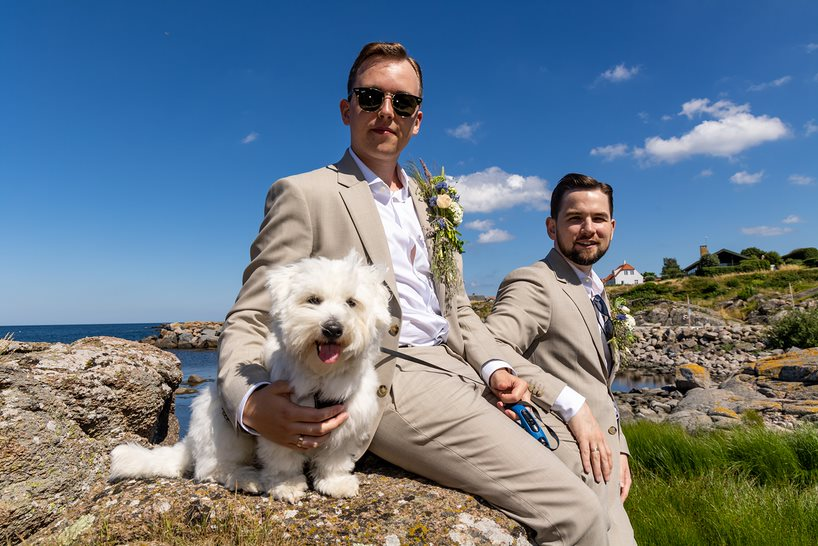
<point>692,376</point>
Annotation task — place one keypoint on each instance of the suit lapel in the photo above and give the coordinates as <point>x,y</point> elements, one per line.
<point>360,204</point>
<point>575,291</point>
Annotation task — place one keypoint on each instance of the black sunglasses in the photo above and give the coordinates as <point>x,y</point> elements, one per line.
<point>370,99</point>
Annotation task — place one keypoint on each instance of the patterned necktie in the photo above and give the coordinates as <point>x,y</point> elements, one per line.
<point>602,309</point>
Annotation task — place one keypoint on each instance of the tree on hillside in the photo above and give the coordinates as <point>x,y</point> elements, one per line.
<point>802,254</point>
<point>671,269</point>
<point>707,261</point>
<point>648,276</point>
<point>773,257</point>
<point>753,252</point>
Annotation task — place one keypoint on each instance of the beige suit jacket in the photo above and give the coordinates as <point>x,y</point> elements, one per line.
<point>328,212</point>
<point>543,312</point>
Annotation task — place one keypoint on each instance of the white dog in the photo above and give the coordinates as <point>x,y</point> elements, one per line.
<point>327,320</point>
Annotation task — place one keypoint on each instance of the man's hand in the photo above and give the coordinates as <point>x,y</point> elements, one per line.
<point>270,412</point>
<point>593,449</point>
<point>509,388</point>
<point>625,479</point>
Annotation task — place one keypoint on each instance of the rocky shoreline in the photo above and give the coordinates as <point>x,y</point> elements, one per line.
<point>186,335</point>
<point>64,407</point>
<point>690,347</point>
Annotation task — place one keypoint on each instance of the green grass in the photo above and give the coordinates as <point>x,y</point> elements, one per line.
<point>748,485</point>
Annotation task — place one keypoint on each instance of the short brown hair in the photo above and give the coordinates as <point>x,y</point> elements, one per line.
<point>388,50</point>
<point>573,182</point>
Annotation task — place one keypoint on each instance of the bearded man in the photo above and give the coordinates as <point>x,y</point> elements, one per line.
<point>556,314</point>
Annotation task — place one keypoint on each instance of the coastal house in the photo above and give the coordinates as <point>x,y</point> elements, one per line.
<point>726,258</point>
<point>624,274</point>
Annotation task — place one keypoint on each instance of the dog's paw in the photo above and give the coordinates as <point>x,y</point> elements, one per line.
<point>247,479</point>
<point>290,490</point>
<point>344,485</point>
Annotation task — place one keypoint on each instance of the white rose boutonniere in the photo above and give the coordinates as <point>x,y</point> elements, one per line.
<point>623,326</point>
<point>444,213</point>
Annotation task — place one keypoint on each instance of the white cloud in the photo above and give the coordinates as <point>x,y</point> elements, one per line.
<point>745,178</point>
<point>610,152</point>
<point>667,117</point>
<point>464,131</point>
<point>644,116</point>
<point>775,83</point>
<point>734,130</point>
<point>811,47</point>
<point>494,236</point>
<point>250,138</point>
<point>765,231</point>
<point>791,219</point>
<point>719,109</point>
<point>810,127</point>
<point>479,225</point>
<point>620,73</point>
<point>801,180</point>
<point>705,173</point>
<point>495,189</point>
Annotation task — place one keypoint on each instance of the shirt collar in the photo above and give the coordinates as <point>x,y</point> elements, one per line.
<point>591,282</point>
<point>379,188</point>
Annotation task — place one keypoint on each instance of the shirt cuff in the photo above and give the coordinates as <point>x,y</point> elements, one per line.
<point>240,409</point>
<point>492,366</point>
<point>568,403</point>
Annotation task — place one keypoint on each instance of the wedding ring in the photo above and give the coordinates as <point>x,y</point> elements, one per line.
<point>595,450</point>
<point>300,443</point>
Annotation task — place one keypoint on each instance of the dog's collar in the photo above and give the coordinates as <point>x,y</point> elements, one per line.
<point>321,402</point>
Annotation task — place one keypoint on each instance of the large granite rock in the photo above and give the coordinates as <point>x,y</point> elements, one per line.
<point>393,507</point>
<point>63,408</point>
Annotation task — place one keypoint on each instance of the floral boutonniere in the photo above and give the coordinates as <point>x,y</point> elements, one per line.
<point>623,325</point>
<point>445,214</point>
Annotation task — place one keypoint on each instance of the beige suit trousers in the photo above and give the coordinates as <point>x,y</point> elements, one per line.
<point>442,424</point>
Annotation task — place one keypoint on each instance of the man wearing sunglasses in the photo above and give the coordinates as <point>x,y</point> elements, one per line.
<point>436,418</point>
<point>556,313</point>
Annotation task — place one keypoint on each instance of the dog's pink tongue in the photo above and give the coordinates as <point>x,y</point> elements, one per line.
<point>329,352</point>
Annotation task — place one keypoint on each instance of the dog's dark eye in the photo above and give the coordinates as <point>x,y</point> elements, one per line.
<point>351,302</point>
<point>314,300</point>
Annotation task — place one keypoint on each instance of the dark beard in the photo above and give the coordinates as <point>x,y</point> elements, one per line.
<point>579,259</point>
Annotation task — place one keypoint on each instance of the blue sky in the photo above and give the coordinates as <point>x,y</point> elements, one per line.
<point>138,139</point>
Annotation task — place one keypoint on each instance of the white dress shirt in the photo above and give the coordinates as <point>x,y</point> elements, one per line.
<point>593,287</point>
<point>422,322</point>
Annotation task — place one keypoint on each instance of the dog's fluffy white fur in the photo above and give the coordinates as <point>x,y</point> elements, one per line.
<point>327,320</point>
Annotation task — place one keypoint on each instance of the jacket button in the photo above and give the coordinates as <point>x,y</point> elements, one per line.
<point>393,330</point>
<point>382,390</point>
<point>612,430</point>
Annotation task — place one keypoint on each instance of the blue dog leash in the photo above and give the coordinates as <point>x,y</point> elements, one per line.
<point>525,411</point>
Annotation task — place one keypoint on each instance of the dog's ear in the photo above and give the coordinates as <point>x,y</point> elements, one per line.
<point>279,285</point>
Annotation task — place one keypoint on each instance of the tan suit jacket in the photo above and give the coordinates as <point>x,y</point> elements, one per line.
<point>544,313</point>
<point>328,212</point>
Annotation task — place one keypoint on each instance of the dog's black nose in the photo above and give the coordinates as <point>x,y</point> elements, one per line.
<point>332,329</point>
